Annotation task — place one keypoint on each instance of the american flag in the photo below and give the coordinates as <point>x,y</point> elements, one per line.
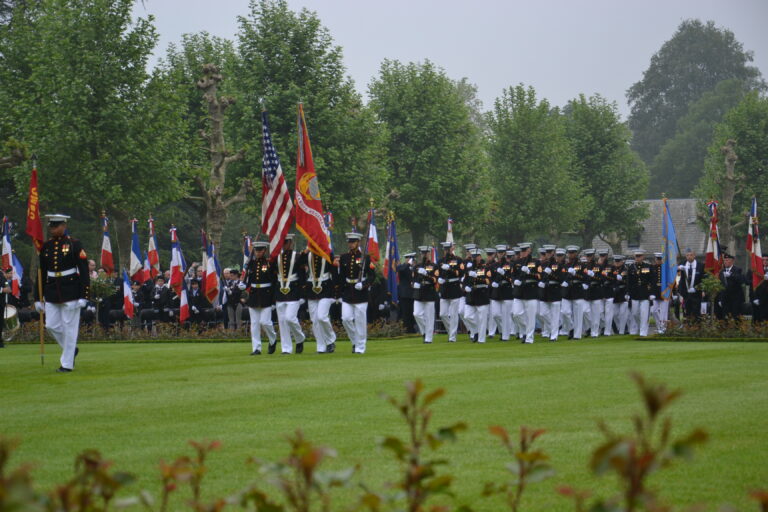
<point>276,205</point>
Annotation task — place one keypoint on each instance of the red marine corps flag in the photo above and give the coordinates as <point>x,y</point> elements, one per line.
<point>309,208</point>
<point>34,224</point>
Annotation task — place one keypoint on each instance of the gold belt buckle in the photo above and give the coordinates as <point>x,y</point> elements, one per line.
<point>285,291</point>
<point>58,274</point>
<point>317,289</point>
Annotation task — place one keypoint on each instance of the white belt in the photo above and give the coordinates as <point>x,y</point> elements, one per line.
<point>63,273</point>
<point>294,277</point>
<point>261,285</point>
<point>351,281</point>
<point>323,277</point>
<point>481,286</point>
<point>453,280</point>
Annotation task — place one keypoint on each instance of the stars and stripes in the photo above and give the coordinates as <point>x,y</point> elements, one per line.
<point>276,205</point>
<point>754,250</point>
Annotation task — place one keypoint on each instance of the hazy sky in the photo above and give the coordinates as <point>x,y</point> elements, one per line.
<point>560,47</point>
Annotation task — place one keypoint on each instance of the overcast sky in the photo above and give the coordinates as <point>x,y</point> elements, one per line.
<point>560,47</point>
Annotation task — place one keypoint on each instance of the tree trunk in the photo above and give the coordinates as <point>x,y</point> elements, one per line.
<point>729,189</point>
<point>122,229</point>
<point>212,187</point>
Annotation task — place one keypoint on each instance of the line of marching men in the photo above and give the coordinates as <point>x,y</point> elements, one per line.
<point>568,292</point>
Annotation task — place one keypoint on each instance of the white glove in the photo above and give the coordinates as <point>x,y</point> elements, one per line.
<point>619,277</point>
<point>170,314</point>
<point>681,267</point>
<point>472,273</point>
<point>241,286</point>
<point>422,271</point>
<point>526,270</point>
<point>691,290</point>
<point>766,276</point>
<point>542,285</point>
<point>626,297</point>
<point>501,271</point>
<point>445,266</point>
<point>564,284</point>
<point>92,309</point>
<point>195,310</point>
<point>81,303</point>
<point>585,286</point>
<point>469,264</point>
<point>358,286</point>
<point>572,271</point>
<point>674,297</point>
<point>337,301</point>
<point>416,286</point>
<point>467,289</point>
<point>301,301</point>
<point>651,297</point>
<point>756,302</point>
<point>381,307</point>
<point>273,307</point>
<point>440,280</point>
<point>590,273</point>
<point>39,307</point>
<point>547,270</point>
<point>727,273</point>
<point>517,282</point>
<point>494,284</point>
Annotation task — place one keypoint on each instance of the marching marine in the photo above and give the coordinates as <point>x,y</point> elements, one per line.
<point>451,272</point>
<point>357,274</point>
<point>425,276</point>
<point>260,281</point>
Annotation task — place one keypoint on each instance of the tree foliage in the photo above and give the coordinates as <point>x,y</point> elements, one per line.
<point>613,175</point>
<point>532,169</point>
<point>74,83</point>
<point>286,58</point>
<point>678,167</point>
<point>696,58</point>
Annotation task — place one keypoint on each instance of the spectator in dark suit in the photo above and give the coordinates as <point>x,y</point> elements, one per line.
<point>691,274</point>
<point>759,296</point>
<point>729,301</point>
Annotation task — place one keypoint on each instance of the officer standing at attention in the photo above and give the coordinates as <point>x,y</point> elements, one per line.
<point>66,287</point>
<point>357,273</point>
<point>259,281</point>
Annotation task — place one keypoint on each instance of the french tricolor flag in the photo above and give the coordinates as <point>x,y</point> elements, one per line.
<point>107,260</point>
<point>152,252</point>
<point>211,274</point>
<point>183,304</point>
<point>136,270</point>
<point>128,306</point>
<point>147,268</point>
<point>178,265</point>
<point>16,274</point>
<point>373,238</point>
<point>6,250</point>
<point>754,251</point>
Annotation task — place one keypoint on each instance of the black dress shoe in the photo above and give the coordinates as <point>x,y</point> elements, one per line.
<point>77,351</point>
<point>330,349</point>
<point>256,352</point>
<point>286,353</point>
<point>300,347</point>
<point>63,370</point>
<point>272,347</point>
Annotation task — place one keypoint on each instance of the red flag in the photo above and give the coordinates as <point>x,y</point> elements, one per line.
<point>34,223</point>
<point>713,259</point>
<point>309,208</point>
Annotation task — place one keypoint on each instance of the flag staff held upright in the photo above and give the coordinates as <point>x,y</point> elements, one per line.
<point>35,230</point>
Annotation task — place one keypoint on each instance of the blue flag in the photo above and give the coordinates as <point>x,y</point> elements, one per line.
<point>670,253</point>
<point>391,262</point>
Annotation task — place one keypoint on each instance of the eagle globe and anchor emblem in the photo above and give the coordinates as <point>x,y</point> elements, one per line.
<point>311,191</point>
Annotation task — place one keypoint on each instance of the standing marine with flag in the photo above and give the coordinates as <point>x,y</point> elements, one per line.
<point>312,224</point>
<point>66,284</point>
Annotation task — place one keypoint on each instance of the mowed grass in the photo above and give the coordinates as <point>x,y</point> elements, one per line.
<point>140,403</point>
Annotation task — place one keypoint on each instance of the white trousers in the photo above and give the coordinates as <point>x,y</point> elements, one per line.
<point>639,314</point>
<point>550,319</point>
<point>463,314</point>
<point>596,309</point>
<point>353,316</point>
<point>528,319</point>
<point>322,329</point>
<point>608,317</point>
<point>620,315</point>
<point>261,318</point>
<point>518,312</point>
<point>507,323</point>
<point>63,322</point>
<point>660,310</point>
<point>449,315</point>
<point>578,309</point>
<point>476,318</point>
<point>495,322</point>
<point>288,322</point>
<point>566,318</point>
<point>424,313</point>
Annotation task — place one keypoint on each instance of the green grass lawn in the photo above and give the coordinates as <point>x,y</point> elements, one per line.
<point>139,403</point>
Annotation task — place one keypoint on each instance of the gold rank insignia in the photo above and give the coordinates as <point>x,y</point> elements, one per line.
<point>65,248</point>
<point>83,256</point>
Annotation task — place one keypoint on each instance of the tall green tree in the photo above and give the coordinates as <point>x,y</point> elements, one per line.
<point>74,83</point>
<point>696,58</point>
<point>435,150</point>
<point>537,192</point>
<point>677,168</point>
<point>285,58</point>
<point>613,176</point>
<point>746,127</point>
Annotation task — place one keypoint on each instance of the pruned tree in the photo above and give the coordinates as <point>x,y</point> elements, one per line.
<point>212,185</point>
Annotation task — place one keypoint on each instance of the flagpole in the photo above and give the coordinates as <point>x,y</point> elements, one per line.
<point>41,322</point>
